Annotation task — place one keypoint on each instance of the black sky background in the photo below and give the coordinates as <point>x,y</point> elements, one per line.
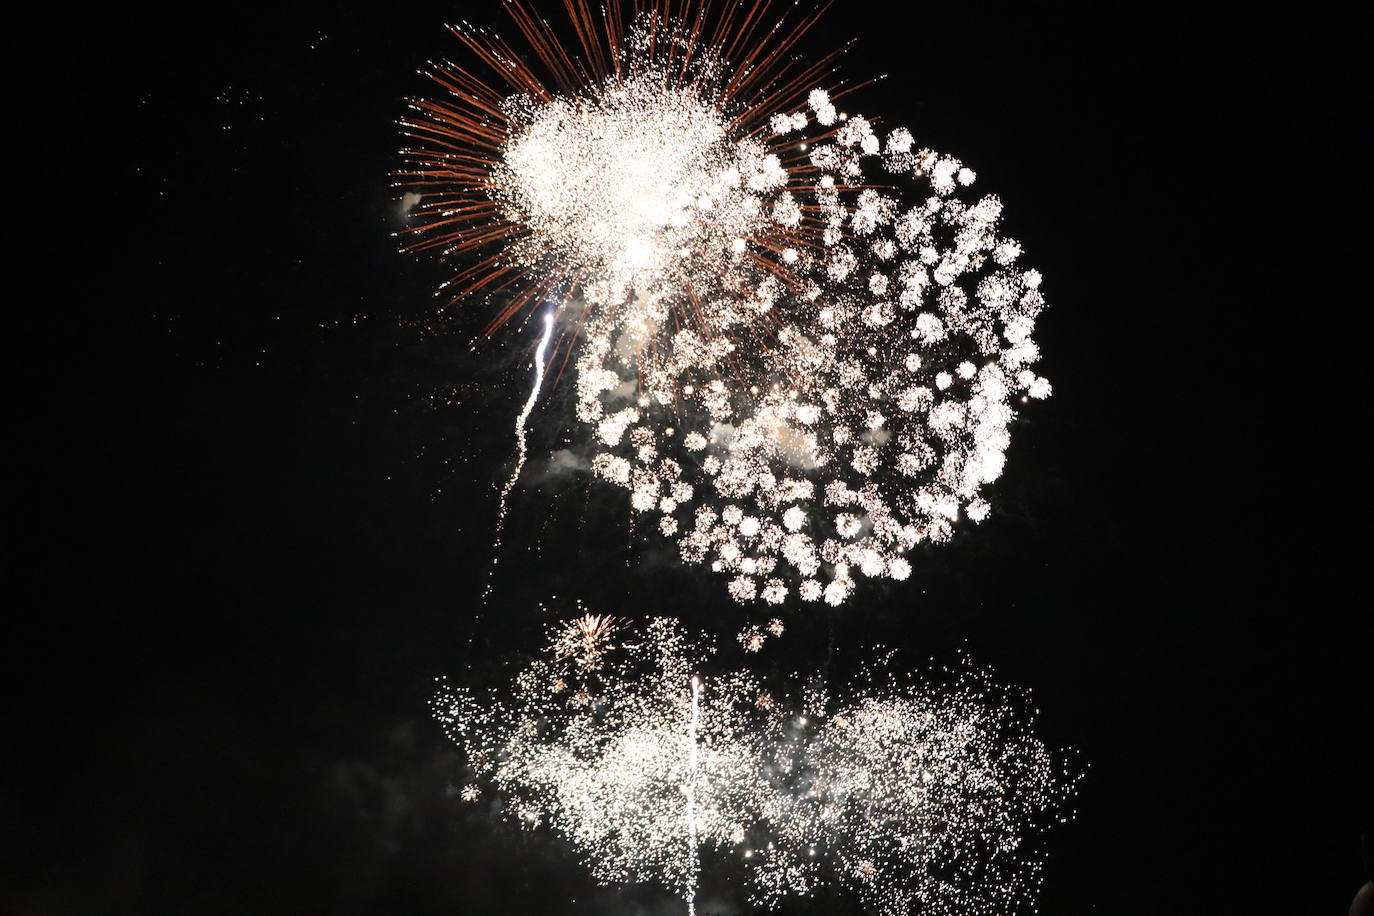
<point>254,470</point>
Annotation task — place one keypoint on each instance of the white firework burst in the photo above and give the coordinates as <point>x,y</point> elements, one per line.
<point>909,795</point>
<point>872,417</point>
<point>639,184</point>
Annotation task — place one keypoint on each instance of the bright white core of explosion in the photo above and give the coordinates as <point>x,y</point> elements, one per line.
<point>633,180</point>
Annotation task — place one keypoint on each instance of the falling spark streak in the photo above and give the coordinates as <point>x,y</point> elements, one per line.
<point>693,857</point>
<point>521,450</point>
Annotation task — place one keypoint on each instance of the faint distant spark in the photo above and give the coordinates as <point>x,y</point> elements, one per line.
<point>521,450</point>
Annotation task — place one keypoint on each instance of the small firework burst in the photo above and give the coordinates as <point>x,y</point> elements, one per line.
<point>752,639</point>
<point>586,639</point>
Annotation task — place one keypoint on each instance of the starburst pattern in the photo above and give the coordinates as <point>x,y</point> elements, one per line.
<point>636,168</point>
<point>585,640</point>
<point>914,797</point>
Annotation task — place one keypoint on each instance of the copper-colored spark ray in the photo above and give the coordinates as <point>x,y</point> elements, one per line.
<point>567,73</point>
<point>521,299</point>
<point>572,342</point>
<point>580,14</point>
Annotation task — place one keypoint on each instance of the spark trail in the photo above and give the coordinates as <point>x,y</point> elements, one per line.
<point>521,450</point>
<point>693,856</point>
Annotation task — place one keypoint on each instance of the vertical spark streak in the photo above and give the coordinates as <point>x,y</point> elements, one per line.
<point>693,865</point>
<point>520,448</point>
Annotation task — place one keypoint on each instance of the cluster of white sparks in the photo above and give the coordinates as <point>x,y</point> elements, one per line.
<point>921,800</point>
<point>875,400</point>
<point>637,184</point>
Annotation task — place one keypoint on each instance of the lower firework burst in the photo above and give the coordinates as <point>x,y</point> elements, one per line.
<point>916,798</point>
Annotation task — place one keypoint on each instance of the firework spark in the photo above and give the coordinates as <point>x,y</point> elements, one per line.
<point>880,412</point>
<point>912,796</point>
<point>690,790</point>
<point>586,640</point>
<point>521,450</point>
<point>799,349</point>
<point>822,343</point>
<point>629,169</point>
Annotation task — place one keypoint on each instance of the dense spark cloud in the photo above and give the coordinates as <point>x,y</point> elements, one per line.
<point>633,184</point>
<point>881,409</point>
<point>629,171</point>
<point>914,797</point>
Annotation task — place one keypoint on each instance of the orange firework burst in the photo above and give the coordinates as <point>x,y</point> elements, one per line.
<point>586,639</point>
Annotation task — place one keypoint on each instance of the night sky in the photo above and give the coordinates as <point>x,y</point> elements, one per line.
<point>254,475</point>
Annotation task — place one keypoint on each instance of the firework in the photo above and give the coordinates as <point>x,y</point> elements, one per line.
<point>627,171</point>
<point>909,795</point>
<point>882,407</point>
<point>801,346</point>
<point>521,451</point>
<point>633,179</point>
<point>586,640</point>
